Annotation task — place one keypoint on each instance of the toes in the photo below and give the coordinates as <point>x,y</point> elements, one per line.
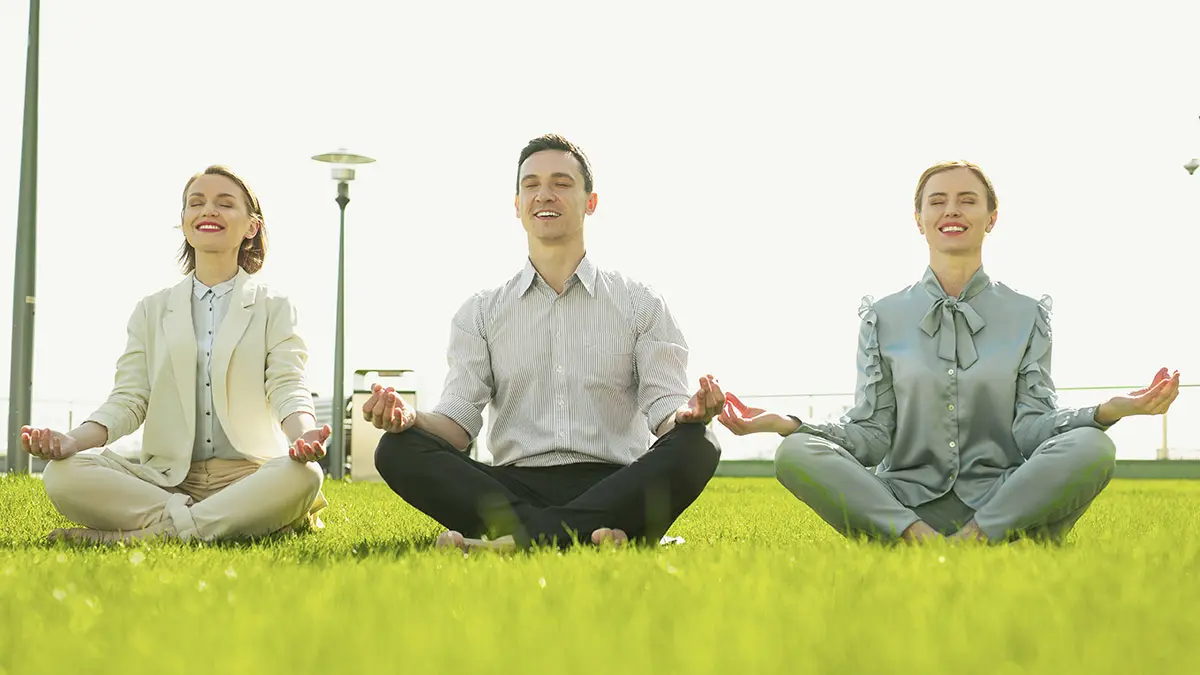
<point>450,539</point>
<point>610,535</point>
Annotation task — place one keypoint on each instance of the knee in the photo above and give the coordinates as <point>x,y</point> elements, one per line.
<point>300,478</point>
<point>61,476</point>
<point>393,451</point>
<point>796,451</point>
<point>1094,448</point>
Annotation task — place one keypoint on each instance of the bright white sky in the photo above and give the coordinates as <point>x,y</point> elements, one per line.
<point>755,163</point>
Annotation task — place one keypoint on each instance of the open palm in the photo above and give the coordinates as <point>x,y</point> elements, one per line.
<point>742,419</point>
<point>1152,400</point>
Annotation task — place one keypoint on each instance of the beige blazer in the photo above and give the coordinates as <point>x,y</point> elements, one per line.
<point>257,377</point>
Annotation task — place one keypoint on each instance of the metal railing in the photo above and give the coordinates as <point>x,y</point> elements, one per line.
<point>1175,435</point>
<point>1130,434</point>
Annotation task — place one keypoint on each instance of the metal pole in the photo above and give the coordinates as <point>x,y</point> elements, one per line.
<point>20,382</point>
<point>337,459</point>
<point>1162,452</point>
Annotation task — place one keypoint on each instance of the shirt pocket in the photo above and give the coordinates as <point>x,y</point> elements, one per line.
<point>608,361</point>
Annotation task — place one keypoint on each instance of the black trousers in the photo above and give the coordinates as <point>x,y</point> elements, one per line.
<point>550,505</point>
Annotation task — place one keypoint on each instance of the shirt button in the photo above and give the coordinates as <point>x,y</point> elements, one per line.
<point>950,372</point>
<point>950,407</point>
<point>558,369</point>
<point>561,403</point>
<point>953,444</point>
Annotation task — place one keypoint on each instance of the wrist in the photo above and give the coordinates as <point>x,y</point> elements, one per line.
<point>787,425</point>
<point>1105,415</point>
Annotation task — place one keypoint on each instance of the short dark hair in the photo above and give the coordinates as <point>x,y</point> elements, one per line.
<point>556,142</point>
<point>253,251</point>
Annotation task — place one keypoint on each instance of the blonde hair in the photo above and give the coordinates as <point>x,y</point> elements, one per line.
<point>940,167</point>
<point>253,251</point>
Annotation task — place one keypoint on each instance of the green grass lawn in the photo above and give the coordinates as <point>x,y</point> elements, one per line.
<point>760,586</point>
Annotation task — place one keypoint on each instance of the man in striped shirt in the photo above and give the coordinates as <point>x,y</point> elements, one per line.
<point>580,366</point>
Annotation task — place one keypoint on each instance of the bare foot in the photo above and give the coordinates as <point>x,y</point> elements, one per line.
<point>919,533</point>
<point>970,533</point>
<point>451,539</point>
<point>86,535</point>
<point>609,535</point>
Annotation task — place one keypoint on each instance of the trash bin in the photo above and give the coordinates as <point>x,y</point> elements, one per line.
<point>363,435</point>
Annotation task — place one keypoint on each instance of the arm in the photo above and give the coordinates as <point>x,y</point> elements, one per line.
<point>1037,416</point>
<point>470,385</point>
<point>286,383</point>
<point>866,430</point>
<point>125,409</point>
<point>660,358</point>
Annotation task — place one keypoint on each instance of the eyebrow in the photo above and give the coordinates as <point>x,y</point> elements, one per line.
<point>553,175</point>
<point>201,194</point>
<point>961,194</point>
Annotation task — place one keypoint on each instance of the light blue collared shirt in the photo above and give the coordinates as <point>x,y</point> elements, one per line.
<point>953,393</point>
<point>209,307</point>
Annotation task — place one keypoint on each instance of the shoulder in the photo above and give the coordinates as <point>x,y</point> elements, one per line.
<point>892,302</point>
<point>618,284</point>
<point>1021,302</point>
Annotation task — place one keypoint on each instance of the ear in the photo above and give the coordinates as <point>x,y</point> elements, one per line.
<point>517,205</point>
<point>992,222</point>
<point>593,200</point>
<point>255,224</point>
<point>917,218</point>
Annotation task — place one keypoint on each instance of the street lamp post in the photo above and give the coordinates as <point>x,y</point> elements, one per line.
<point>20,375</point>
<point>343,173</point>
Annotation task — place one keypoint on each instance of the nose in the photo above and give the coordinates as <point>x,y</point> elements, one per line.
<point>545,194</point>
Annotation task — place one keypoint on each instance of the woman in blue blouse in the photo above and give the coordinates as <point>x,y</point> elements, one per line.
<point>955,410</point>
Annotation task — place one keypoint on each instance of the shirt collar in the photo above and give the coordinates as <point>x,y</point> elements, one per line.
<point>933,287</point>
<point>219,290</point>
<point>585,272</point>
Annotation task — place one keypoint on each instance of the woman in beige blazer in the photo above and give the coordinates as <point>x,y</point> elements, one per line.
<point>214,368</point>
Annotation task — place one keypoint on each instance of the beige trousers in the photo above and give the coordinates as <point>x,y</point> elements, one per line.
<point>219,498</point>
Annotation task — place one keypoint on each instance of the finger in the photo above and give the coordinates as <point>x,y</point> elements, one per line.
<point>400,419</point>
<point>47,437</point>
<point>368,405</point>
<point>720,395</point>
<point>737,402</point>
<point>325,432</point>
<point>318,451</point>
<point>56,447</point>
<point>389,413</point>
<point>377,411</point>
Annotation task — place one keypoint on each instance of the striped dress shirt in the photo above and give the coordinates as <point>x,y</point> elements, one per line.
<point>585,376</point>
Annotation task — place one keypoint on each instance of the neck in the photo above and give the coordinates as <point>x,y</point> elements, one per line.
<point>215,268</point>
<point>954,271</point>
<point>556,262</point>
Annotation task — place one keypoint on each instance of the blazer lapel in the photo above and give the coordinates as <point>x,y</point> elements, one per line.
<point>241,307</point>
<point>181,343</point>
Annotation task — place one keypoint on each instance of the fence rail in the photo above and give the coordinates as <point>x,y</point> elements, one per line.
<point>1175,435</point>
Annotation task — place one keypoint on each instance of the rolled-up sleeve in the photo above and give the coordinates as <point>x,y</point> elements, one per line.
<point>125,409</point>
<point>661,359</point>
<point>287,357</point>
<point>469,382</point>
<point>1038,417</point>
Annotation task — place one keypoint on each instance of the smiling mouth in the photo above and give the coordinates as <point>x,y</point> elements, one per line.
<point>952,228</point>
<point>208,227</point>
<point>546,214</point>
